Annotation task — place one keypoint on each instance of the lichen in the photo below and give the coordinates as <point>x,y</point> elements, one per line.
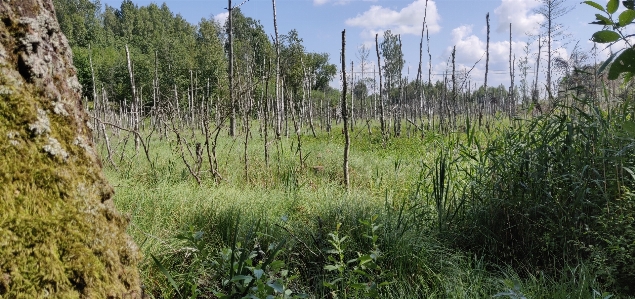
<point>42,125</point>
<point>13,138</point>
<point>54,148</point>
<point>58,108</point>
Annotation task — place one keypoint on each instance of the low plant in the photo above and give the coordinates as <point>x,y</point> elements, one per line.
<point>236,272</point>
<point>360,277</point>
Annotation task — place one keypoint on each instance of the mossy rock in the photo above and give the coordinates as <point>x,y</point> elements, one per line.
<point>60,236</point>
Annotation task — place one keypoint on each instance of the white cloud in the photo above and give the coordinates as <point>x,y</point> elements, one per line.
<point>519,13</point>
<point>221,17</point>
<point>341,2</point>
<point>408,20</point>
<point>470,48</point>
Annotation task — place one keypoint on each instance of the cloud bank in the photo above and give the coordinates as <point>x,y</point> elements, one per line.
<point>408,20</point>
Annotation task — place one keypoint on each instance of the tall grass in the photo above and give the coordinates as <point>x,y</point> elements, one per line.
<point>453,211</point>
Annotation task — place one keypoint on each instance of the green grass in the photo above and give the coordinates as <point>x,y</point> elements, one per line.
<point>302,206</point>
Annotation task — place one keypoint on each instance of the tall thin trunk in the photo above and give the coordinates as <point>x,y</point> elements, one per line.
<point>232,117</point>
<point>278,101</point>
<point>347,140</point>
<point>135,105</point>
<point>511,74</point>
<point>352,98</point>
<point>480,111</point>
<point>534,93</point>
<point>382,119</point>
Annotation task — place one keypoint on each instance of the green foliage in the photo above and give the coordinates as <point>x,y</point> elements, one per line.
<point>540,194</point>
<point>360,277</point>
<point>241,272</point>
<point>393,58</point>
<point>624,63</point>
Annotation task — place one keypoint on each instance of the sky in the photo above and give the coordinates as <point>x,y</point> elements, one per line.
<point>459,23</point>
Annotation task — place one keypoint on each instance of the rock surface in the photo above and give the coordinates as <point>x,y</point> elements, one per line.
<point>60,235</point>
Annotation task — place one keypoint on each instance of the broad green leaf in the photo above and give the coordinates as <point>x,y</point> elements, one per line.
<point>630,4</point>
<point>598,6</point>
<point>364,259</point>
<point>626,17</point>
<point>625,63</point>
<point>258,273</point>
<point>605,36</point>
<point>602,20</point>
<point>331,267</point>
<point>276,286</point>
<point>612,6</point>
<point>277,264</point>
<point>361,272</point>
<point>607,62</point>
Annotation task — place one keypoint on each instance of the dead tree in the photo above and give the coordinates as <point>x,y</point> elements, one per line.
<point>347,140</point>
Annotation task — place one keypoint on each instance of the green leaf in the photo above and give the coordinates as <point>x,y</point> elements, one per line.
<point>166,273</point>
<point>258,273</point>
<point>358,286</point>
<point>328,284</point>
<point>331,267</point>
<point>598,6</point>
<point>612,6</point>
<point>361,272</point>
<point>605,36</point>
<point>607,62</point>
<point>276,286</point>
<point>627,78</point>
<point>277,265</point>
<point>602,20</point>
<point>626,17</point>
<point>630,4</point>
<point>246,278</point>
<point>625,63</point>
<point>364,259</point>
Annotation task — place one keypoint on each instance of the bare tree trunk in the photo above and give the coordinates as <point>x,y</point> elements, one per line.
<point>511,74</point>
<point>481,106</point>
<point>534,93</point>
<point>347,140</point>
<point>352,114</point>
<point>278,101</point>
<point>382,119</point>
<point>135,109</point>
<point>232,116</point>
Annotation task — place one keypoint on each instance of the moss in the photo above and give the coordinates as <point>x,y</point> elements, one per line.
<point>60,236</point>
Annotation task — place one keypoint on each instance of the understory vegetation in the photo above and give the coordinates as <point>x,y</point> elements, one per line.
<point>539,208</point>
<point>246,175</point>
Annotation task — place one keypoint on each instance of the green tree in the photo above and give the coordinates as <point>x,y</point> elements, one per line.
<point>322,71</point>
<point>393,59</point>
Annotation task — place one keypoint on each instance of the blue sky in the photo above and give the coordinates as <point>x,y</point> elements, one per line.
<point>459,23</point>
